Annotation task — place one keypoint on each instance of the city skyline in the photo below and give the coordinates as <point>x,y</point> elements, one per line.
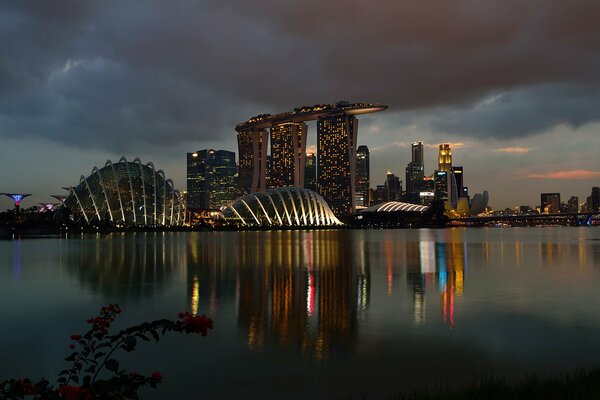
<point>518,97</point>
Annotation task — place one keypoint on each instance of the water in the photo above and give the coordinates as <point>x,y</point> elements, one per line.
<point>313,313</point>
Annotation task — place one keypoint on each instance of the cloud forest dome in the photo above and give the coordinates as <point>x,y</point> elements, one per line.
<point>125,193</point>
<point>284,207</point>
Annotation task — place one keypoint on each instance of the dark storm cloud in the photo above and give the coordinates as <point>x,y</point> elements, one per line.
<point>167,72</point>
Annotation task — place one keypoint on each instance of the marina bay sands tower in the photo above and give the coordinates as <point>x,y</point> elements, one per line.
<point>337,131</point>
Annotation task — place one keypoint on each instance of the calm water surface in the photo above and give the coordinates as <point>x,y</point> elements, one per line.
<point>313,313</point>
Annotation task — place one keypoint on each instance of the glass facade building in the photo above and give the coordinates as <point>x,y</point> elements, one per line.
<point>125,193</point>
<point>362,176</point>
<point>336,161</point>
<point>288,144</point>
<point>211,179</point>
<point>445,157</point>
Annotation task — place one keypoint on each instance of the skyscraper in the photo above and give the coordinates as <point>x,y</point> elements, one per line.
<point>310,172</point>
<point>595,199</point>
<point>445,157</point>
<point>211,178</point>
<point>362,176</point>
<point>550,203</point>
<point>336,161</point>
<point>288,141</point>
<point>441,185</point>
<point>196,174</point>
<point>573,204</point>
<point>222,173</point>
<point>252,147</point>
<point>458,176</point>
<point>417,153</point>
<point>393,186</point>
<point>415,172</point>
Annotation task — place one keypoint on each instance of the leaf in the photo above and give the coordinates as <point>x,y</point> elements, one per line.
<point>112,365</point>
<point>98,355</point>
<point>91,369</point>
<point>75,378</point>
<point>155,336</point>
<point>87,380</point>
<point>71,357</point>
<point>63,372</point>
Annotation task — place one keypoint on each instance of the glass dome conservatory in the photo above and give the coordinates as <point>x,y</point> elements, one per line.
<point>125,193</point>
<point>281,207</point>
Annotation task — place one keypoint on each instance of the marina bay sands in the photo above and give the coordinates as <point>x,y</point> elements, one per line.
<point>284,164</point>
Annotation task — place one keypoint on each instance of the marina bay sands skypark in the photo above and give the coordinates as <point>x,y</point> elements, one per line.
<point>337,129</point>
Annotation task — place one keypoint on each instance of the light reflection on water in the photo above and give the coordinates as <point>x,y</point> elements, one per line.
<point>347,311</point>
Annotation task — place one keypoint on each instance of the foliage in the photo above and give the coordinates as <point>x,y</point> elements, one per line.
<point>94,373</point>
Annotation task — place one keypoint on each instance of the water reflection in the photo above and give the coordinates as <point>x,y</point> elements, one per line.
<point>123,265</point>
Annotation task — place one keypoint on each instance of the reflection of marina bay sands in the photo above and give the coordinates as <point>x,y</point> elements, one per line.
<point>337,129</point>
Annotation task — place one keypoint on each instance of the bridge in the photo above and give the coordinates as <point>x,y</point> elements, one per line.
<point>575,219</point>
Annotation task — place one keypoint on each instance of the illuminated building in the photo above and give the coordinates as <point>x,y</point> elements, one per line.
<point>595,199</point>
<point>211,179</point>
<point>440,179</point>
<point>573,204</point>
<point>393,186</point>
<point>415,172</point>
<point>445,157</point>
<point>17,198</point>
<point>281,207</point>
<point>336,149</point>
<point>197,192</point>
<point>459,178</point>
<point>336,163</point>
<point>362,176</point>
<point>252,170</point>
<point>310,172</point>
<point>288,152</point>
<point>550,203</point>
<point>125,193</point>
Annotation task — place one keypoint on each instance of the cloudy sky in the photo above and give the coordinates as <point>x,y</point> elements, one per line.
<point>514,85</point>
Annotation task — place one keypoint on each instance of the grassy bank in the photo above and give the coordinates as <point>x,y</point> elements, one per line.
<point>579,385</point>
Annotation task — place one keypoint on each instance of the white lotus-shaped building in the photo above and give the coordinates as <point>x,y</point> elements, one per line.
<point>281,207</point>
<point>125,193</point>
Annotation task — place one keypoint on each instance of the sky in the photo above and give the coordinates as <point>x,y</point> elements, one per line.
<point>513,85</point>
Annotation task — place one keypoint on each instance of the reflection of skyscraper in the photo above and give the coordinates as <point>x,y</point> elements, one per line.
<point>288,141</point>
<point>445,157</point>
<point>310,172</point>
<point>336,160</point>
<point>362,176</point>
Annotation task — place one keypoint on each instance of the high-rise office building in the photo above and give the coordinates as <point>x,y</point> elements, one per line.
<point>288,141</point>
<point>459,178</point>
<point>196,185</point>
<point>252,146</point>
<point>393,186</point>
<point>310,172</point>
<point>362,176</point>
<point>440,179</point>
<point>445,157</point>
<point>573,204</point>
<point>415,172</point>
<point>417,153</point>
<point>336,161</point>
<point>223,176</point>
<point>550,203</point>
<point>595,197</point>
<point>211,178</point>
